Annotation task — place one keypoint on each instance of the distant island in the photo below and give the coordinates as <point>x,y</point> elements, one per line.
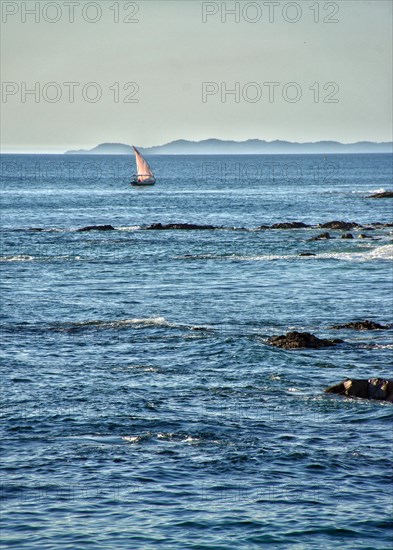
<point>248,147</point>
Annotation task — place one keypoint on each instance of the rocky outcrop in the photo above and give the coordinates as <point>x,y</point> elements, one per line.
<point>373,388</point>
<point>361,325</point>
<point>347,236</point>
<point>382,195</point>
<point>97,228</point>
<point>296,340</point>
<point>345,226</point>
<point>183,226</point>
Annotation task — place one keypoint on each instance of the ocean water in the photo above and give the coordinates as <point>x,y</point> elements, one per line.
<point>142,406</point>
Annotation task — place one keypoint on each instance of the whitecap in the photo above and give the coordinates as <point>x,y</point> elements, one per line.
<point>165,435</point>
<point>18,258</point>
<point>132,439</point>
<point>190,439</point>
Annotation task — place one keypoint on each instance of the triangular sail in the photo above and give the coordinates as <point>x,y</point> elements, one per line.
<point>144,171</point>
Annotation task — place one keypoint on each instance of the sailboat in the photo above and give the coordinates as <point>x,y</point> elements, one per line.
<point>144,175</point>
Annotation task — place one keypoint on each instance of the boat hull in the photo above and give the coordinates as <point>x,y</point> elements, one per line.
<point>148,180</point>
<point>142,183</point>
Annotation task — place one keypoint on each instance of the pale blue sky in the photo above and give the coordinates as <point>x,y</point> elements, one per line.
<point>170,52</point>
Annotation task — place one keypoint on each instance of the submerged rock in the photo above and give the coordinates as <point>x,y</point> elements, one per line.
<point>289,225</point>
<point>294,340</point>
<point>97,228</point>
<point>379,225</point>
<point>321,237</point>
<point>346,226</point>
<point>347,236</point>
<point>361,325</point>
<point>382,195</point>
<point>186,226</point>
<point>373,388</point>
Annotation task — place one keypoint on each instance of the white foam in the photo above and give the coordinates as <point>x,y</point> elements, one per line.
<point>129,228</point>
<point>143,368</point>
<point>132,439</point>
<point>163,435</point>
<point>190,439</point>
<point>17,258</point>
<point>29,258</point>
<point>380,253</point>
<point>237,257</point>
<point>383,346</point>
<point>384,252</point>
<point>147,321</point>
<point>159,321</point>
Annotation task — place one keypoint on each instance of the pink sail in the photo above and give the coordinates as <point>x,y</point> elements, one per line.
<point>144,171</point>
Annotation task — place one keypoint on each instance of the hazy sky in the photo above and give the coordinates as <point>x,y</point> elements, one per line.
<point>170,52</point>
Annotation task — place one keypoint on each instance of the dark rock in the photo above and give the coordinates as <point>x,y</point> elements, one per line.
<point>293,340</point>
<point>373,388</point>
<point>345,226</point>
<point>263,227</point>
<point>186,226</point>
<point>289,225</point>
<point>321,237</point>
<point>361,325</point>
<point>97,228</point>
<point>347,236</point>
<point>306,254</point>
<point>383,195</point>
<point>35,229</point>
<point>364,236</point>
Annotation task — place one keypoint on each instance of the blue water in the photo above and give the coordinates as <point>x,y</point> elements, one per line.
<point>142,405</point>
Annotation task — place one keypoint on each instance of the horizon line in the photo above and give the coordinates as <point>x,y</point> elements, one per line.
<point>68,148</point>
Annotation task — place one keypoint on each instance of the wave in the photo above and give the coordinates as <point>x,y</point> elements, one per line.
<point>173,438</point>
<point>137,322</point>
<point>235,257</point>
<point>359,191</point>
<point>18,258</point>
<point>142,321</point>
<point>384,252</point>
<point>378,346</point>
<point>30,258</point>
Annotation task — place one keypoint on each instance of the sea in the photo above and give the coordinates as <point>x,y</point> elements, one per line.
<point>142,404</point>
